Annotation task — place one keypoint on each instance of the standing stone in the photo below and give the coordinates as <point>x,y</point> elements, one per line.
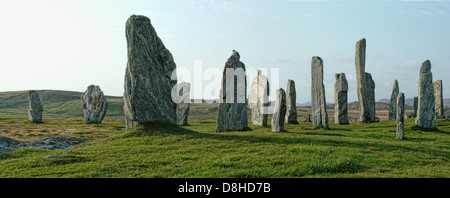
<point>393,101</point>
<point>400,115</point>
<point>363,88</point>
<point>95,104</point>
<point>439,100</point>
<point>35,108</point>
<point>148,82</point>
<point>291,103</point>
<point>182,98</point>
<point>232,113</point>
<point>415,105</point>
<point>340,99</point>
<point>318,102</point>
<point>370,94</point>
<point>425,110</point>
<point>279,111</point>
<point>258,99</point>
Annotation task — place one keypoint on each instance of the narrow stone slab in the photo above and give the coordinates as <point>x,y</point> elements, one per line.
<point>415,105</point>
<point>341,99</point>
<point>439,100</point>
<point>318,101</point>
<point>400,115</point>
<point>393,101</point>
<point>279,111</point>
<point>258,99</point>
<point>370,96</point>
<point>425,110</point>
<point>35,108</point>
<point>291,103</point>
<point>182,91</point>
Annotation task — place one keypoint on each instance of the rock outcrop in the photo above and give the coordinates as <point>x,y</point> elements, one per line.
<point>279,111</point>
<point>148,76</point>
<point>341,99</point>
<point>425,110</point>
<point>95,104</point>
<point>35,108</point>
<point>318,101</point>
<point>232,113</point>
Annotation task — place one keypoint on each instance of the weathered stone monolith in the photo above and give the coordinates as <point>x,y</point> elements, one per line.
<point>365,89</point>
<point>400,115</point>
<point>318,101</point>
<point>291,103</point>
<point>95,104</point>
<point>340,99</point>
<point>232,112</point>
<point>425,110</point>
<point>279,111</point>
<point>393,101</point>
<point>439,100</point>
<point>258,99</point>
<point>181,96</point>
<point>148,76</point>
<point>35,108</point>
<point>415,105</point>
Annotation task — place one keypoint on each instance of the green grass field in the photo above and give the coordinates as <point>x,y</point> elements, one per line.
<point>156,150</point>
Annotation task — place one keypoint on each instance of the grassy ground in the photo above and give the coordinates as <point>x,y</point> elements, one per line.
<point>155,150</point>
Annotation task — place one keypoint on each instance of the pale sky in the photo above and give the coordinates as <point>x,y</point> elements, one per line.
<point>70,44</point>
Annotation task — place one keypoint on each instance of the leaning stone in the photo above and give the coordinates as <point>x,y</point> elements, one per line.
<point>258,100</point>
<point>393,101</point>
<point>232,113</point>
<point>279,111</point>
<point>439,100</point>
<point>340,99</point>
<point>148,76</point>
<point>425,110</point>
<point>35,108</point>
<point>182,98</point>
<point>95,104</point>
<point>291,103</point>
<point>318,102</point>
<point>400,115</point>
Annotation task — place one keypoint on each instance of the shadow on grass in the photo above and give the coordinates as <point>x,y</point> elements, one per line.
<point>151,129</point>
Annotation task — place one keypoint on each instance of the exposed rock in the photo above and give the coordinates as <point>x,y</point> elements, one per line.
<point>318,102</point>
<point>370,94</point>
<point>232,113</point>
<point>291,103</point>
<point>279,111</point>
<point>425,110</point>
<point>95,104</point>
<point>258,99</point>
<point>51,143</point>
<point>182,92</point>
<point>148,76</point>
<point>439,100</point>
<point>35,108</point>
<point>341,99</point>
<point>400,115</point>
<point>393,101</point>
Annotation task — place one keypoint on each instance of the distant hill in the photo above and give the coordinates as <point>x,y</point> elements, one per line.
<point>56,103</point>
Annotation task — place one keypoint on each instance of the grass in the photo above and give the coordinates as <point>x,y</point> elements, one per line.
<point>157,150</point>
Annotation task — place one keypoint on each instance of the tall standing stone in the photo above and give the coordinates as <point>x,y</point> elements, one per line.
<point>341,99</point>
<point>148,76</point>
<point>291,103</point>
<point>415,105</point>
<point>400,115</point>
<point>258,100</point>
<point>425,110</point>
<point>318,102</point>
<point>279,111</point>
<point>393,101</point>
<point>439,100</point>
<point>232,113</point>
<point>35,108</point>
<point>181,96</point>
<point>363,88</point>
<point>370,94</point>
<point>95,104</point>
